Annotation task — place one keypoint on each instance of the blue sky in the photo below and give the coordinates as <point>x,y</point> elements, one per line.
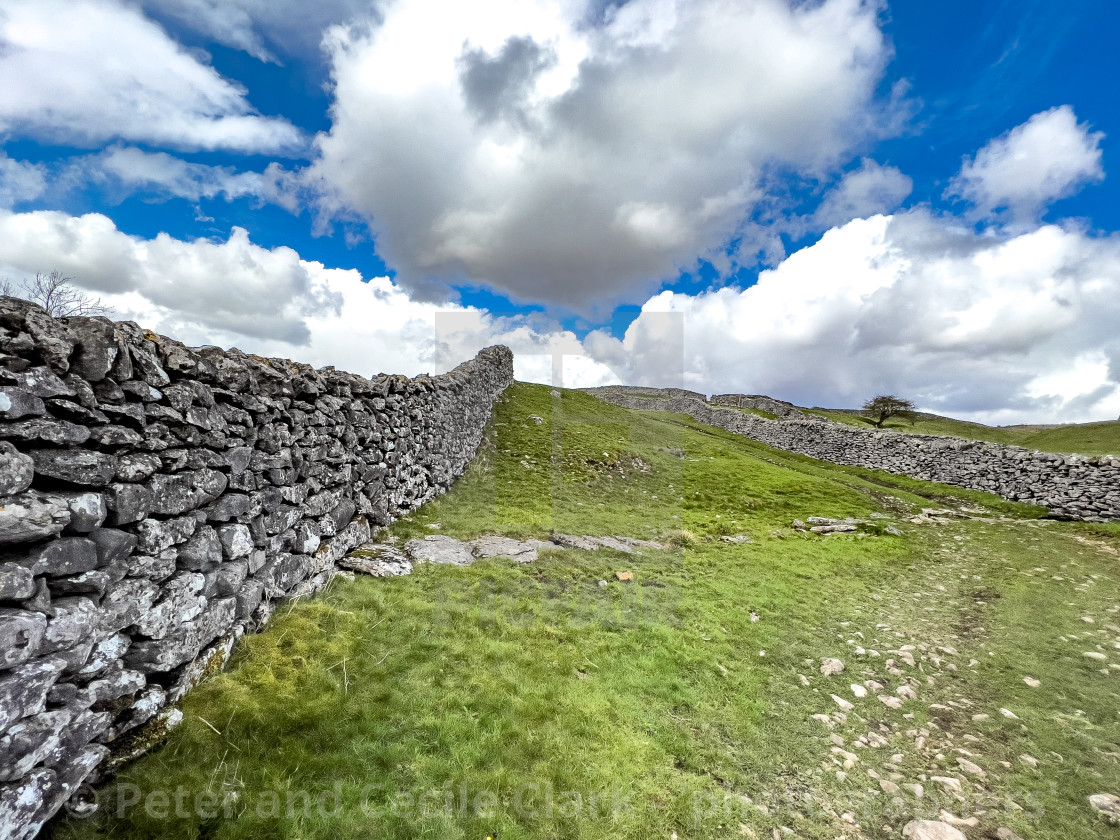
<point>832,199</point>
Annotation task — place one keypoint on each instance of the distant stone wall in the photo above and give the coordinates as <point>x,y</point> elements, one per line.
<point>779,408</point>
<point>156,501</point>
<point>638,391</point>
<point>1073,486</point>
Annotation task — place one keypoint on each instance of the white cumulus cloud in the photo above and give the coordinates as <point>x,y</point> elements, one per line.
<point>1019,174</point>
<point>82,72</point>
<point>518,145</point>
<point>20,181</point>
<point>870,190</point>
<point>272,302</point>
<point>262,27</point>
<point>1014,328</point>
<point>126,169</point>
<point>234,285</point>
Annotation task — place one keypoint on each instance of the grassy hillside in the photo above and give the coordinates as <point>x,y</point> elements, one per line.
<point>1085,438</point>
<point>532,701</point>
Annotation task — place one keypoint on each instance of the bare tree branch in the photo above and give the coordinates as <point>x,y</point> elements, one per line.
<point>56,293</point>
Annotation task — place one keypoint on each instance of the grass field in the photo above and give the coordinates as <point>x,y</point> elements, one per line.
<point>1084,438</point>
<point>529,701</point>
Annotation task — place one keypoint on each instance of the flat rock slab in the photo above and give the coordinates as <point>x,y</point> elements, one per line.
<point>440,549</point>
<point>623,544</point>
<point>385,560</point>
<point>378,561</point>
<point>641,543</point>
<point>572,541</point>
<point>495,546</point>
<point>616,544</point>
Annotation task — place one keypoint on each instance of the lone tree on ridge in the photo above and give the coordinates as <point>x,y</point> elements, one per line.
<point>881,408</point>
<point>56,293</point>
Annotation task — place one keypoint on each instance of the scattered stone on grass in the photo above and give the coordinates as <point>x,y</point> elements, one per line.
<point>1107,805</point>
<point>931,830</point>
<point>970,768</point>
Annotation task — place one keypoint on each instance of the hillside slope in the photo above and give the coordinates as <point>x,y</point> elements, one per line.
<point>1082,438</point>
<point>552,700</point>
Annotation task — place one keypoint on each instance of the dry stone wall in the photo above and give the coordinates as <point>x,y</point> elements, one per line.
<point>1071,486</point>
<point>157,500</point>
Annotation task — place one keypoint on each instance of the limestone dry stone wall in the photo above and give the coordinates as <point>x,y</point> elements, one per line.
<point>1072,486</point>
<point>156,500</point>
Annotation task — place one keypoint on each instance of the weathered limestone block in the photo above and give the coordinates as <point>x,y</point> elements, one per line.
<point>156,567</point>
<point>181,645</point>
<point>72,621</point>
<point>76,466</point>
<point>249,597</point>
<point>23,689</point>
<point>125,602</point>
<point>15,403</point>
<point>66,556</point>
<point>30,516</point>
<point>87,510</point>
<point>146,365</point>
<point>45,429</point>
<point>202,551</point>
<point>16,582</point>
<point>176,494</point>
<point>127,503</point>
<point>93,582</point>
<point>103,656</point>
<point>96,347</point>
<point>114,686</point>
<point>16,469</point>
<point>30,742</point>
<point>21,802</point>
<point>113,547</point>
<point>21,635</point>
<point>39,382</point>
<point>236,541</point>
<point>227,507</point>
<point>68,777</point>
<point>136,466</point>
<point>181,600</point>
<point>156,535</point>
<point>440,549</point>
<point>115,436</point>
